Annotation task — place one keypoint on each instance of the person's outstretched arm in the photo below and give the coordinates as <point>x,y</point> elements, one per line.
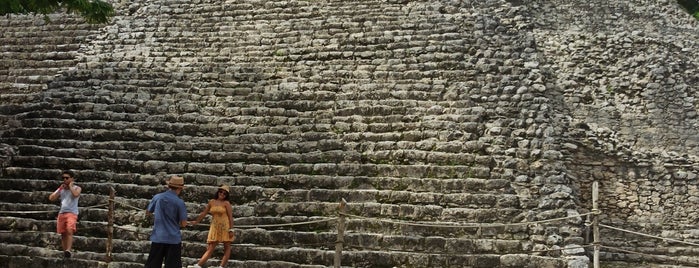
<point>202,214</point>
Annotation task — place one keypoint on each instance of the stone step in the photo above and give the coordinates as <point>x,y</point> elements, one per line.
<point>280,231</point>
<point>118,261</point>
<point>52,44</point>
<point>441,250</point>
<point>193,165</point>
<point>42,72</point>
<point>23,173</point>
<point>248,193</point>
<point>28,62</point>
<point>461,200</point>
<point>135,110</point>
<point>126,231</point>
<point>94,225</point>
<point>41,43</point>
<point>287,230</point>
<point>350,259</point>
<point>47,245</point>
<point>133,143</point>
<point>456,243</point>
<point>90,202</point>
<point>17,100</point>
<point>22,256</point>
<point>15,108</point>
<point>41,197</point>
<point>89,186</point>
<point>27,217</point>
<point>31,26</point>
<point>52,255</point>
<point>36,261</point>
<point>13,88</point>
<point>128,211</point>
<point>301,179</point>
<point>131,194</point>
<point>96,193</point>
<point>442,228</point>
<point>128,120</point>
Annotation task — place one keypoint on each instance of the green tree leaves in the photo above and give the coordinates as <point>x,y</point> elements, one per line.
<point>691,6</point>
<point>94,11</point>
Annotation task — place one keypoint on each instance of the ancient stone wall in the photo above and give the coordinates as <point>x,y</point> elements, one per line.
<point>439,112</point>
<point>625,70</point>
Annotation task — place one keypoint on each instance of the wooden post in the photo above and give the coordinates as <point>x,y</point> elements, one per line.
<point>110,225</point>
<point>340,234</point>
<point>595,224</point>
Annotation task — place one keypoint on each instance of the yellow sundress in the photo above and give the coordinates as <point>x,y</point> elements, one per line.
<point>218,232</point>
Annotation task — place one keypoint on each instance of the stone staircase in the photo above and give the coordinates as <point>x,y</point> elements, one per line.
<point>29,66</point>
<point>297,105</point>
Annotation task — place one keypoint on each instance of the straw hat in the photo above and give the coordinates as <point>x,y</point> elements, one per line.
<point>176,181</point>
<point>225,188</point>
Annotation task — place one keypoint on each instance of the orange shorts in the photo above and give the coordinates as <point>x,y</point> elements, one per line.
<point>65,222</point>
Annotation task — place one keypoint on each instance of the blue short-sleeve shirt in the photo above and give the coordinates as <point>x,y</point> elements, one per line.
<point>169,210</point>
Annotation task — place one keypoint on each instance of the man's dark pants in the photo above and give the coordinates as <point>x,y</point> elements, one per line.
<point>171,253</point>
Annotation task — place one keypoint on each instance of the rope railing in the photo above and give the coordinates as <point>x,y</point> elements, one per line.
<point>28,211</point>
<point>666,224</point>
<point>465,225</point>
<point>461,253</point>
<point>648,235</point>
<point>341,230</point>
<point>255,226</point>
<point>328,244</point>
<point>44,211</point>
<point>285,224</point>
<point>665,258</point>
<point>126,205</point>
<point>342,215</point>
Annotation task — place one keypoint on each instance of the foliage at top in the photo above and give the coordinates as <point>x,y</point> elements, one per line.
<point>93,11</point>
<point>691,6</point>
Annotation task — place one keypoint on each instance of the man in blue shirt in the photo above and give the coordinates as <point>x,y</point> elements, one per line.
<point>170,215</point>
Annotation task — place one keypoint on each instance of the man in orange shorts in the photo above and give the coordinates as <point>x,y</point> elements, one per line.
<point>66,222</point>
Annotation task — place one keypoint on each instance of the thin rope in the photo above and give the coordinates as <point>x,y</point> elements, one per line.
<point>125,204</point>
<point>137,231</point>
<point>650,255</point>
<point>255,226</point>
<point>295,245</point>
<point>461,253</point>
<point>284,224</point>
<point>643,224</point>
<point>96,206</point>
<point>28,211</point>
<point>647,235</point>
<point>468,225</point>
<point>43,211</point>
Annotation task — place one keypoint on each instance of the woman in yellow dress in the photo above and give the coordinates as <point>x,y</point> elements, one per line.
<point>221,224</point>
